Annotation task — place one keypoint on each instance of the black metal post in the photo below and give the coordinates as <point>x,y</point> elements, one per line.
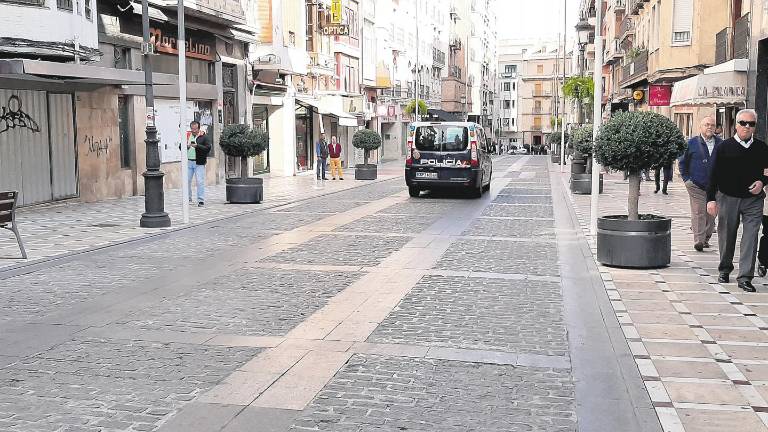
<point>154,215</point>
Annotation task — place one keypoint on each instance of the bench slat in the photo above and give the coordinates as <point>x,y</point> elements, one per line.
<point>8,195</point>
<point>6,206</point>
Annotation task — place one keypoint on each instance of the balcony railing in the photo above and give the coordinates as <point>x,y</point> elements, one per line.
<point>723,46</point>
<point>455,43</point>
<point>627,28</point>
<point>536,127</point>
<point>455,72</point>
<point>637,67</point>
<point>544,93</point>
<point>741,38</point>
<point>438,57</point>
<point>619,5</point>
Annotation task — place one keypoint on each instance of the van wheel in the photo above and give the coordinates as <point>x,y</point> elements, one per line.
<point>414,191</point>
<point>487,187</point>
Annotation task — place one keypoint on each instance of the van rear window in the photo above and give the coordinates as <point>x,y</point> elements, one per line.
<point>442,138</point>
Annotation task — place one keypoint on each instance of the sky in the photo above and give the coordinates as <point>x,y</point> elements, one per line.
<point>534,18</point>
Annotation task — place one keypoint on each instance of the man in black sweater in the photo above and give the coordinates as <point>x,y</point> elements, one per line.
<point>736,193</point>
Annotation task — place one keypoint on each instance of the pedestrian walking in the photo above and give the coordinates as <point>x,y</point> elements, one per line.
<point>198,147</point>
<point>321,152</point>
<point>695,165</point>
<point>762,253</point>
<point>736,193</point>
<point>334,151</point>
<point>667,178</point>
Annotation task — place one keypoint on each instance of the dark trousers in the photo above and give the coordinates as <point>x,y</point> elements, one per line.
<point>747,212</point>
<point>762,254</point>
<point>667,177</point>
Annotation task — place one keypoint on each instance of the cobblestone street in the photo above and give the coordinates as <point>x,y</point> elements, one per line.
<point>358,310</point>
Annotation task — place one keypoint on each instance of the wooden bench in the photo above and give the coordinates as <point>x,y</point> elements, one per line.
<point>8,216</point>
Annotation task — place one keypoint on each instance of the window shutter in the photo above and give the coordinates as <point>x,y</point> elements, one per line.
<point>682,20</point>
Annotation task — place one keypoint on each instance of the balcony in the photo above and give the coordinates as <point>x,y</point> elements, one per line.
<point>619,5</point>
<point>454,71</point>
<point>536,127</point>
<point>636,69</point>
<point>614,52</point>
<point>627,28</point>
<point>544,93</point>
<point>455,43</point>
<point>741,38</point>
<point>537,110</point>
<point>438,57</point>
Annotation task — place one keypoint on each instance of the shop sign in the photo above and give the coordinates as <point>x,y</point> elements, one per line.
<point>659,95</point>
<point>722,91</point>
<point>199,45</point>
<point>387,119</point>
<point>336,30</point>
<point>336,11</point>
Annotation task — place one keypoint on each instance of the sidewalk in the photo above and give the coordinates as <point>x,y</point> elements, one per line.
<point>701,347</point>
<point>59,229</point>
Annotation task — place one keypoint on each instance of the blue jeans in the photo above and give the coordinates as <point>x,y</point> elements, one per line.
<point>321,167</point>
<point>198,172</point>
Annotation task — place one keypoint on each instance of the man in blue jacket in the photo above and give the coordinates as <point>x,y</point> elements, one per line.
<point>695,167</point>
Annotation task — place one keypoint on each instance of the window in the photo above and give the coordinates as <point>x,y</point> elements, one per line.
<point>87,9</point>
<point>507,104</point>
<point>510,69</point>
<point>506,122</point>
<point>26,2</point>
<point>354,30</point>
<point>513,104</point>
<point>513,122</point>
<point>291,39</point>
<point>441,138</point>
<point>506,86</point>
<point>682,22</point>
<point>514,86</point>
<point>64,4</point>
<point>539,69</point>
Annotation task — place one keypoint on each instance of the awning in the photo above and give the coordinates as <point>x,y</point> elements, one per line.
<point>345,119</point>
<point>718,88</point>
<point>154,13</point>
<point>38,70</point>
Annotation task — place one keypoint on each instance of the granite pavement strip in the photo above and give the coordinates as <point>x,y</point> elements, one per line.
<point>701,346</point>
<point>57,229</point>
<point>219,374</point>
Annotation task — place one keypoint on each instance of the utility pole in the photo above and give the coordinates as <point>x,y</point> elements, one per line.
<point>418,114</point>
<point>154,215</point>
<point>181,47</point>
<point>562,123</point>
<point>597,116</point>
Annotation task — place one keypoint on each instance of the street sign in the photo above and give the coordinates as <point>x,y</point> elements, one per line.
<point>335,11</point>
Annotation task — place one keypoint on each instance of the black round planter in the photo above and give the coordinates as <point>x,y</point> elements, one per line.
<point>578,168</point>
<point>582,184</point>
<point>634,244</point>
<point>365,172</point>
<point>555,157</point>
<point>245,190</point>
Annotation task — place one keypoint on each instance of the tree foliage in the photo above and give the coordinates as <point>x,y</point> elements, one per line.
<point>582,140</point>
<point>366,139</point>
<point>554,138</point>
<point>411,107</point>
<point>635,141</point>
<point>239,140</point>
<point>638,140</point>
<point>580,89</point>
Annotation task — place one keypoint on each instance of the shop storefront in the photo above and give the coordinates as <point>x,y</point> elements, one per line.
<point>304,150</point>
<point>719,91</point>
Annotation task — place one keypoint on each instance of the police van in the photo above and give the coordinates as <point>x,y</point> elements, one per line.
<point>448,155</point>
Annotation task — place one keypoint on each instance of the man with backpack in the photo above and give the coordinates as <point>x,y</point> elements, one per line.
<point>321,152</point>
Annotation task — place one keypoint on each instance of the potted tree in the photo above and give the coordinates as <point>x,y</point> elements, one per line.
<point>366,140</point>
<point>554,144</point>
<point>581,182</point>
<point>411,107</point>
<point>632,142</point>
<point>242,141</point>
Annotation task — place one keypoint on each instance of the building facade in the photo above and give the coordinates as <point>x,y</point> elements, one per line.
<point>510,66</point>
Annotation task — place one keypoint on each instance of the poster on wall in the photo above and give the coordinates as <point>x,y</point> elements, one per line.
<point>168,125</point>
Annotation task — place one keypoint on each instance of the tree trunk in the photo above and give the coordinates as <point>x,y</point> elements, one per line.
<point>365,157</point>
<point>634,195</point>
<point>243,168</point>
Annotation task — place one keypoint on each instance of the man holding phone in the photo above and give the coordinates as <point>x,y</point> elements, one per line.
<point>736,194</point>
<point>198,147</point>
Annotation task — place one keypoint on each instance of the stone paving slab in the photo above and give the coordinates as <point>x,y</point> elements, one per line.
<point>374,393</point>
<point>479,314</point>
<point>132,386</point>
<point>691,338</point>
<point>57,229</point>
<point>496,256</point>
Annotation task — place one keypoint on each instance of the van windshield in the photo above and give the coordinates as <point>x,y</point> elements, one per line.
<point>441,138</point>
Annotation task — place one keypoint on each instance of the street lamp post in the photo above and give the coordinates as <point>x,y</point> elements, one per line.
<point>154,215</point>
<point>463,101</point>
<point>582,30</point>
